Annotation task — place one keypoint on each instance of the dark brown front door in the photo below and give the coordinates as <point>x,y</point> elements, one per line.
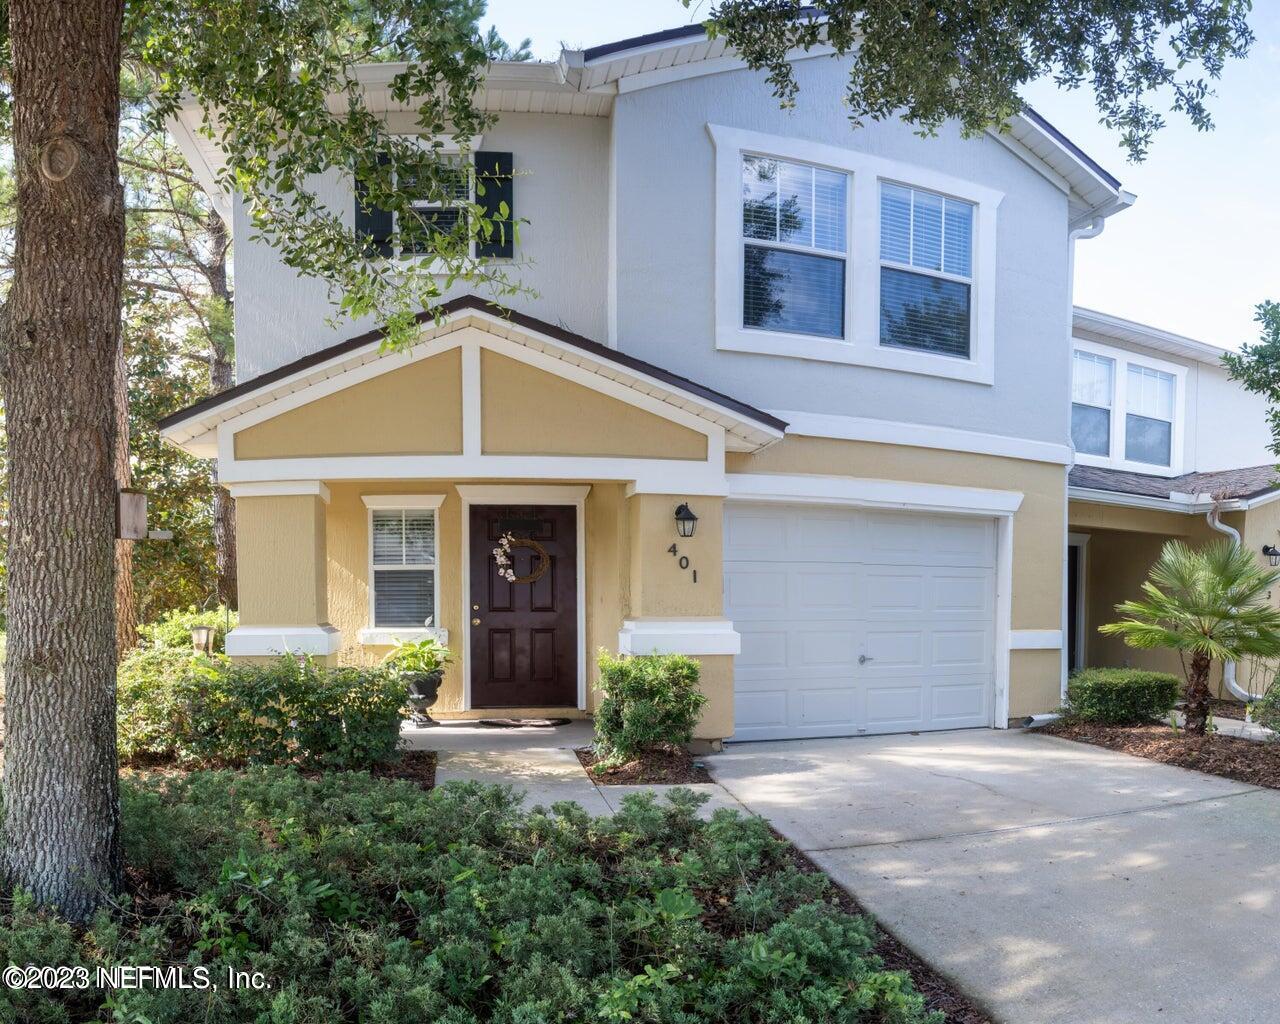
<point>524,634</point>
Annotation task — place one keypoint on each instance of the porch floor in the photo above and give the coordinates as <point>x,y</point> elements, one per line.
<point>474,738</point>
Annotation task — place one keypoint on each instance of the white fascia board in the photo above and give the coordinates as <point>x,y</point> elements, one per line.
<point>1189,504</point>
<point>398,501</point>
<point>278,488</point>
<point>869,493</point>
<point>705,637</point>
<point>1117,328</point>
<point>204,174</point>
<point>921,435</point>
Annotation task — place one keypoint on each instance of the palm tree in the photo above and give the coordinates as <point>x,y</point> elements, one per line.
<point>1211,604</point>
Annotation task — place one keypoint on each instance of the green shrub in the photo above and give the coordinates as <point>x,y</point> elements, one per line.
<point>173,629</point>
<point>173,704</point>
<point>367,900</point>
<point>649,701</point>
<point>1266,711</point>
<point>1121,696</point>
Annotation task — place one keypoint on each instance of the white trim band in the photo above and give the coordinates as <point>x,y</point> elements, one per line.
<point>524,494</point>
<point>1035,640</point>
<point>389,636</point>
<point>898,494</point>
<point>280,488</point>
<point>399,501</point>
<point>259,641</point>
<point>678,636</point>
<point>921,435</point>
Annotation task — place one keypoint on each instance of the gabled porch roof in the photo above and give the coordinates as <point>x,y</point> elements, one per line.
<point>746,427</point>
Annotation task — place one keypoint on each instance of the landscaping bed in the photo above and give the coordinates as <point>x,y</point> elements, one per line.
<point>663,766</point>
<point>1250,761</point>
<point>362,899</point>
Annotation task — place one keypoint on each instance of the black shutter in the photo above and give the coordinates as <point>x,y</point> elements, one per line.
<point>495,172</point>
<point>372,222</point>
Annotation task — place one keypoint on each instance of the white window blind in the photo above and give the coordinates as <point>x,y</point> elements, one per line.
<point>1149,415</point>
<point>926,270</point>
<point>794,219</point>
<point>1092,388</point>
<point>404,567</point>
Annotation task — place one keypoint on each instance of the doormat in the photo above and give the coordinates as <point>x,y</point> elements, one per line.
<point>522,723</point>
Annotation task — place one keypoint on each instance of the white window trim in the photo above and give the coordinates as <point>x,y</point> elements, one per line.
<point>861,344</point>
<point>448,147</point>
<point>377,636</point>
<point>1119,407</point>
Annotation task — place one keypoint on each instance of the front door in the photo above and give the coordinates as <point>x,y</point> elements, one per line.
<point>524,631</point>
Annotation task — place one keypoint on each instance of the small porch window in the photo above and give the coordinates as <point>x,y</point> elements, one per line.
<point>403,577</point>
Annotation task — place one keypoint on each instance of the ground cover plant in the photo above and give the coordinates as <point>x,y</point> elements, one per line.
<point>359,899</point>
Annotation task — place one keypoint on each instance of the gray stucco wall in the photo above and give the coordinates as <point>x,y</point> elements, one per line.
<point>561,188</point>
<point>664,166</point>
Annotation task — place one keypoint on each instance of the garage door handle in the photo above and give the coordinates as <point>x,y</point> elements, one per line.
<point>863,659</point>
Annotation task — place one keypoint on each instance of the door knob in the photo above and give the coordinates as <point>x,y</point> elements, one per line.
<point>475,622</point>
<point>863,659</point>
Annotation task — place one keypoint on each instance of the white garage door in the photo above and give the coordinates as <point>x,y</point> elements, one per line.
<point>859,622</point>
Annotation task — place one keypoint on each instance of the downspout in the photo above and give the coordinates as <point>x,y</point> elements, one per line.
<point>1091,230</point>
<point>1229,667</point>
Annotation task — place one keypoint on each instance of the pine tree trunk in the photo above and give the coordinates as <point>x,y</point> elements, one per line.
<point>62,827</point>
<point>1198,695</point>
<point>222,377</point>
<point>126,605</point>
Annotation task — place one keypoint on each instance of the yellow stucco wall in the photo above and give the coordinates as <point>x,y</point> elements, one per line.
<point>525,411</point>
<point>281,551</point>
<point>661,589</point>
<point>413,410</point>
<point>348,565</point>
<point>1123,545</point>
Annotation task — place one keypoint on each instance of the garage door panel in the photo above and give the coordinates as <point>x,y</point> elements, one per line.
<point>818,587</point>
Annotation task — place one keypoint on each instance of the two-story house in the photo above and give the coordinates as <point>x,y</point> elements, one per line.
<point>793,398</point>
<point>1166,446</point>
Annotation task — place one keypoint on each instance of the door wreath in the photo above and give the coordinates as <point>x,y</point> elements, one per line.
<point>506,564</point>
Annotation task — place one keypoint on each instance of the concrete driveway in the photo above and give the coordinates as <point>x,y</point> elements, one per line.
<point>1051,881</point>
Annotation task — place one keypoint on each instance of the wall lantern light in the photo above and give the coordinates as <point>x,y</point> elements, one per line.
<point>202,639</point>
<point>1272,552</point>
<point>686,521</point>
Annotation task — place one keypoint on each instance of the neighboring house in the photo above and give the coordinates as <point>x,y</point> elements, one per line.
<point>842,350</point>
<point>1163,440</point>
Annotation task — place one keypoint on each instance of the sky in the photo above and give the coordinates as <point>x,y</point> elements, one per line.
<point>1196,253</point>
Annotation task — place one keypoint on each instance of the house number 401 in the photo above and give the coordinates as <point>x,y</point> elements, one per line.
<point>682,561</point>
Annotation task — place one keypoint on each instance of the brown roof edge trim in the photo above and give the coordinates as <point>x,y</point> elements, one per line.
<point>474,302</point>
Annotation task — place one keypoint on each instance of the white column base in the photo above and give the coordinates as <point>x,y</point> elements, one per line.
<point>678,636</point>
<point>260,641</point>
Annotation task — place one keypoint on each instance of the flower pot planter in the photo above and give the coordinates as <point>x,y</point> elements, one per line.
<point>424,689</point>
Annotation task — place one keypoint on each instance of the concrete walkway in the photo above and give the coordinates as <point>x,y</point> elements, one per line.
<point>1052,881</point>
<point>540,761</point>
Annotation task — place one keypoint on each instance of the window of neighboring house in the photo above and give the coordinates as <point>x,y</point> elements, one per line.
<point>1092,391</point>
<point>926,270</point>
<point>1149,404</point>
<point>794,247</point>
<point>403,567</point>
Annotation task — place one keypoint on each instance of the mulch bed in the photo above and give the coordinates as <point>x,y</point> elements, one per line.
<point>670,766</point>
<point>1250,761</point>
<point>938,992</point>
<point>417,766</point>
<point>1222,708</point>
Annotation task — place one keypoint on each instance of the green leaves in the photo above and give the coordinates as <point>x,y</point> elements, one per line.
<point>969,59</point>
<point>1210,602</point>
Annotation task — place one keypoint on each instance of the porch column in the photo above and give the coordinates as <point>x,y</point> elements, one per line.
<point>280,548</point>
<point>676,601</point>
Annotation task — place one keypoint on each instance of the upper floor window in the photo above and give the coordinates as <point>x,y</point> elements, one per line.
<point>793,254</point>
<point>1092,387</point>
<point>830,254</point>
<point>1124,409</point>
<point>926,270</point>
